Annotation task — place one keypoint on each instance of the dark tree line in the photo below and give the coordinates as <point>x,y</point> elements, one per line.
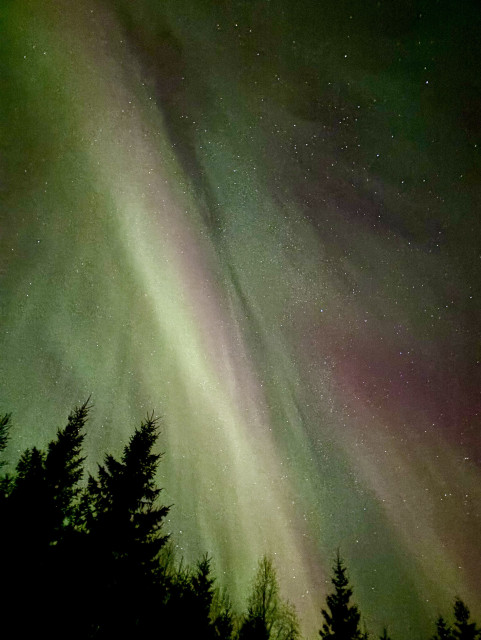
<point>88,558</point>
<point>463,628</point>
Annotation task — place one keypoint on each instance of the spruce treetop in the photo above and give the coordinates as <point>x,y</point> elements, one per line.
<point>341,618</point>
<point>463,629</point>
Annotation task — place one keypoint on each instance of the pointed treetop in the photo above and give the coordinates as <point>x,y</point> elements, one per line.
<point>443,630</point>
<point>342,619</point>
<point>463,629</point>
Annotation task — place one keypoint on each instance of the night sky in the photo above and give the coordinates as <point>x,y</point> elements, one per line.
<point>261,220</point>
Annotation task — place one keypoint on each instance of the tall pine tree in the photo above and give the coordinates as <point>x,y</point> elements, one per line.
<point>37,507</point>
<point>63,472</point>
<point>123,526</point>
<point>342,619</point>
<point>202,582</point>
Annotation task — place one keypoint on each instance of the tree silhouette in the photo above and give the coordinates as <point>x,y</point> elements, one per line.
<point>341,618</point>
<point>192,591</point>
<point>63,471</point>
<point>6,482</point>
<point>38,505</point>
<point>5,423</point>
<point>94,563</point>
<point>222,616</point>
<point>443,630</point>
<point>267,615</point>
<point>44,489</point>
<point>287,623</point>
<point>463,629</point>
<point>202,584</point>
<point>122,511</point>
<point>123,523</point>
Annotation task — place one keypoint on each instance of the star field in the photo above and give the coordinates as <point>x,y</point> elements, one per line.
<point>261,221</point>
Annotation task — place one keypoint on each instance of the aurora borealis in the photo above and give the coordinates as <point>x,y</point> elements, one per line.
<point>261,220</point>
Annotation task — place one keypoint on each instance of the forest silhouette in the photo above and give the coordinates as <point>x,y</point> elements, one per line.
<point>89,558</point>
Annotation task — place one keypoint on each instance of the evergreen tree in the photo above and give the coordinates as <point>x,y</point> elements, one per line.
<point>443,630</point>
<point>24,544</point>
<point>341,618</point>
<point>222,616</point>
<point>5,423</point>
<point>202,583</point>
<point>224,625</point>
<point>6,482</point>
<point>191,592</point>
<point>63,471</point>
<point>365,633</point>
<point>463,629</point>
<point>179,601</point>
<point>123,526</point>
<point>44,488</point>
<point>27,502</point>
<point>38,504</point>
<point>122,511</point>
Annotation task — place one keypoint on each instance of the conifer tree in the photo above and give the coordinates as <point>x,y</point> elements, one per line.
<point>59,544</point>
<point>365,633</point>
<point>222,616</point>
<point>27,503</point>
<point>224,625</point>
<point>463,629</point>
<point>123,523</point>
<point>179,599</point>
<point>122,500</point>
<point>202,583</point>
<point>5,423</point>
<point>342,619</point>
<point>64,470</point>
<point>24,543</point>
<point>38,505</point>
<point>6,482</point>
<point>443,630</point>
<point>44,488</point>
<point>192,591</point>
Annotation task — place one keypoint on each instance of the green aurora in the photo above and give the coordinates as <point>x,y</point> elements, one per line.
<point>260,220</point>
